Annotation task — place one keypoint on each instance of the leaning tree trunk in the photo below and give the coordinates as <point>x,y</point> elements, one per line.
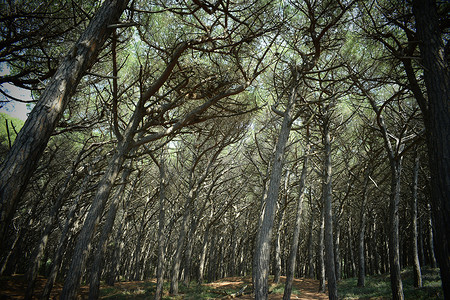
<point>295,238</point>
<point>22,159</point>
<point>57,258</point>
<point>82,246</point>
<point>437,123</point>
<point>416,262</point>
<point>266,229</point>
<point>97,266</point>
<point>328,214</point>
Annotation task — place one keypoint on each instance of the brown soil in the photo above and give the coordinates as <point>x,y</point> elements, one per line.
<point>14,288</point>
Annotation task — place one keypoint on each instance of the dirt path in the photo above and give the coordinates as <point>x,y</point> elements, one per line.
<point>307,288</point>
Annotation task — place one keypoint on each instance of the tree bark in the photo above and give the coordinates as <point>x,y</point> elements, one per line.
<point>22,159</point>
<point>437,123</point>
<point>57,258</point>
<point>97,266</point>
<point>394,248</point>
<point>321,260</point>
<point>328,213</point>
<point>161,269</point>
<point>362,227</point>
<point>266,229</point>
<point>416,262</point>
<point>295,238</point>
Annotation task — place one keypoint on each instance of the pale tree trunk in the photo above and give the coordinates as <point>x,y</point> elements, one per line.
<point>161,268</point>
<point>362,228</point>
<point>22,159</point>
<point>265,232</point>
<point>321,260</point>
<point>431,239</point>
<point>337,251</point>
<point>394,248</point>
<point>437,123</point>
<point>277,267</point>
<point>97,266</point>
<point>310,244</point>
<point>416,262</point>
<point>201,267</point>
<point>291,264</point>
<point>180,245</point>
<point>328,213</point>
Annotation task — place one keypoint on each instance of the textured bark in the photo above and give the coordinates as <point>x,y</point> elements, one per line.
<point>432,256</point>
<point>328,213</point>
<point>83,245</point>
<point>277,267</point>
<point>310,245</point>
<point>437,123</point>
<point>22,159</point>
<point>266,229</point>
<point>416,262</point>
<point>161,268</point>
<point>394,248</point>
<point>291,264</point>
<point>362,227</point>
<point>180,245</point>
<point>321,260</point>
<point>57,258</point>
<point>97,266</point>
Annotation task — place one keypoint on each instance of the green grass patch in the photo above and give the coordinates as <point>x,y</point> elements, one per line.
<point>379,286</point>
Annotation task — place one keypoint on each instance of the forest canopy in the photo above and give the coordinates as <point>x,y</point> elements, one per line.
<point>196,140</point>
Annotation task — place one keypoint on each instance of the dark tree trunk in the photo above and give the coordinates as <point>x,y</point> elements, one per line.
<point>437,123</point>
<point>22,159</point>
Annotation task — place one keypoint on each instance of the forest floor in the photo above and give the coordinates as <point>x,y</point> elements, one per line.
<point>377,287</point>
<point>13,287</point>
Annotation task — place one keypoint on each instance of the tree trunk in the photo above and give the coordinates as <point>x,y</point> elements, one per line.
<point>201,267</point>
<point>277,268</point>
<point>161,231</point>
<point>328,214</point>
<point>295,238</point>
<point>82,247</point>
<point>321,260</point>
<point>266,228</point>
<point>180,244</point>
<point>437,123</point>
<point>431,240</point>
<point>22,159</point>
<point>57,259</point>
<point>394,248</point>
<point>310,245</point>
<point>97,266</point>
<point>417,272</point>
<point>362,226</point>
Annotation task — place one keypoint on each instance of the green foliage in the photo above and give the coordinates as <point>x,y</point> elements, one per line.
<point>378,286</point>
